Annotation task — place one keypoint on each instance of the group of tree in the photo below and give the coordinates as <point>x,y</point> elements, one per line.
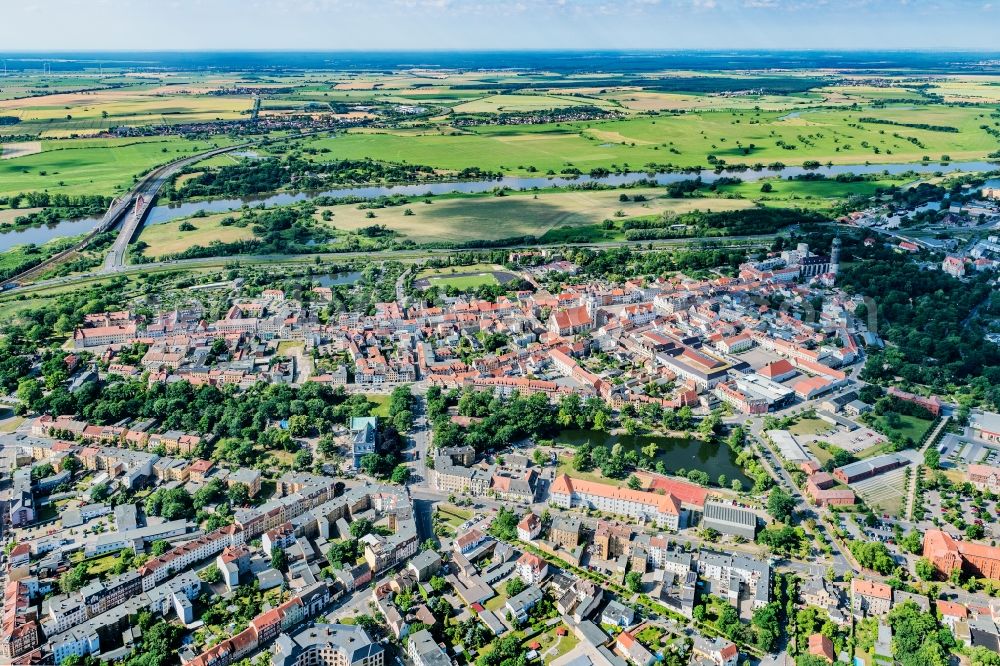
<point>746,222</point>
<point>784,540</point>
<point>918,639</point>
<point>498,422</point>
<point>929,317</point>
<point>780,504</point>
<point>244,427</point>
<point>873,555</point>
<point>170,504</point>
<point>261,176</point>
<point>401,408</point>
<point>504,525</point>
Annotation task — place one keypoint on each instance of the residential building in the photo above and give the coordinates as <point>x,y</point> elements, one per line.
<point>737,577</point>
<point>565,531</point>
<point>635,652</point>
<point>424,651</point>
<point>718,651</point>
<point>531,568</point>
<point>660,510</point>
<point>618,614</point>
<point>424,564</point>
<point>822,647</point>
<point>529,527</point>
<point>870,598</point>
<point>521,604</point>
<point>328,645</point>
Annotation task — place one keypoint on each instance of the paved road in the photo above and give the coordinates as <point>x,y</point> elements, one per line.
<point>143,195</point>
<point>157,266</point>
<point>841,564</point>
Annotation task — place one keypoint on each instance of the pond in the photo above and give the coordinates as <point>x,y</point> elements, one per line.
<point>335,279</point>
<point>675,452</point>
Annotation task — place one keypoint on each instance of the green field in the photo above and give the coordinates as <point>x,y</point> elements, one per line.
<point>381,401</point>
<point>464,282</point>
<point>809,427</point>
<point>167,238</point>
<point>911,426</point>
<point>823,135</point>
<point>460,277</point>
<point>812,194</point>
<point>518,214</point>
<point>94,166</point>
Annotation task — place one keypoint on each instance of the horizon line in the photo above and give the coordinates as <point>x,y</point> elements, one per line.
<point>831,49</point>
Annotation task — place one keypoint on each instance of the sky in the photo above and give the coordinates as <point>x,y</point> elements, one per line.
<point>49,25</point>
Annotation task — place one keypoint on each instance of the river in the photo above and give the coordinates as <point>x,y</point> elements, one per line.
<point>168,212</point>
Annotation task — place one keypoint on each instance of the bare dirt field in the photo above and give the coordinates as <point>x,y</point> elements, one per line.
<point>12,150</point>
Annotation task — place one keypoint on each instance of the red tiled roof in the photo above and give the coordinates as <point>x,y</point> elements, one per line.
<point>564,485</point>
<point>870,588</point>
<point>776,369</point>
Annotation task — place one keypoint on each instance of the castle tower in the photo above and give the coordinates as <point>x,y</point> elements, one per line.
<point>835,256</point>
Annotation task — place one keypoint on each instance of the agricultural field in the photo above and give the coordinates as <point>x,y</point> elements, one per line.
<point>835,136</point>
<point>518,214</point>
<point>670,120</point>
<point>509,103</point>
<point>94,166</point>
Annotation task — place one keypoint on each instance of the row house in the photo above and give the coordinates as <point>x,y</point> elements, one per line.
<point>181,557</point>
<point>20,632</point>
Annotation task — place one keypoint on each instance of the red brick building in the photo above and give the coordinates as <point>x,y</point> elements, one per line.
<point>947,554</point>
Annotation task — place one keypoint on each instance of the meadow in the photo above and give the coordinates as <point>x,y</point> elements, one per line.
<point>167,238</point>
<point>748,137</point>
<point>517,214</point>
<point>811,194</point>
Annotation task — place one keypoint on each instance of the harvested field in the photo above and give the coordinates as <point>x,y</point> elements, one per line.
<point>12,150</point>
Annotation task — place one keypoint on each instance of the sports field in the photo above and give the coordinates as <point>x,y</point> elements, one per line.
<point>518,214</point>
<point>462,277</point>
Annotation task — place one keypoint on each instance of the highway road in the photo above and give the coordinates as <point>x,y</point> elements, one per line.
<point>147,188</point>
<point>143,195</point>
